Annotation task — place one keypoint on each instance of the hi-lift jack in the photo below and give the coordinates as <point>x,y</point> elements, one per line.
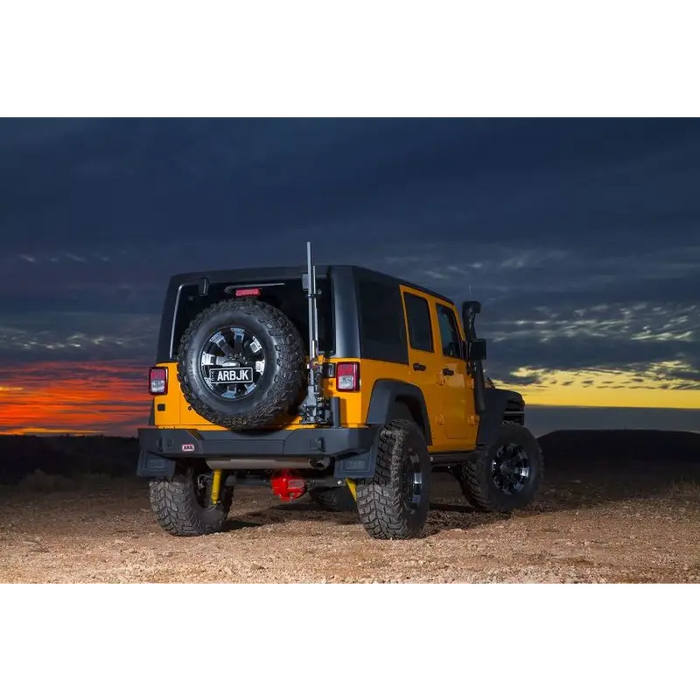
<point>316,407</point>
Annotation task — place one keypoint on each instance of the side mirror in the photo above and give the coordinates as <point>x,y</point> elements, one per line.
<point>476,350</point>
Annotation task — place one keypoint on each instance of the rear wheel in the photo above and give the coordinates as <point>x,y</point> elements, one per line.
<point>506,475</point>
<point>394,503</point>
<point>183,506</point>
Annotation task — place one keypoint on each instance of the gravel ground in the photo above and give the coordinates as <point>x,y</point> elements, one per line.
<point>593,524</point>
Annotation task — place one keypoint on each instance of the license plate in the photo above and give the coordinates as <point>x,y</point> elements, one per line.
<point>231,375</point>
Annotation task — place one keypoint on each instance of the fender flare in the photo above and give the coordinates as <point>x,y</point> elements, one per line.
<point>386,393</point>
<point>491,420</point>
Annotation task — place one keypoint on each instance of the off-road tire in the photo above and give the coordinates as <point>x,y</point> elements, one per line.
<point>456,472</point>
<point>381,500</point>
<point>177,510</point>
<point>334,500</point>
<point>281,383</point>
<point>476,479</point>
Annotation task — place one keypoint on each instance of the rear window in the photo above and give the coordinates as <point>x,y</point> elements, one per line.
<point>288,296</point>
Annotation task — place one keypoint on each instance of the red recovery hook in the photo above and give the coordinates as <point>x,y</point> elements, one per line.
<point>287,486</point>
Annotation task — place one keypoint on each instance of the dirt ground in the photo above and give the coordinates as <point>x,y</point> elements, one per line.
<point>602,523</point>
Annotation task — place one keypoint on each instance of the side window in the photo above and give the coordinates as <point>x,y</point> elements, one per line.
<point>380,306</point>
<point>449,332</point>
<point>382,327</point>
<point>420,331</point>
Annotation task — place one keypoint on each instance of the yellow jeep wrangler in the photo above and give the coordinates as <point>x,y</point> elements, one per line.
<point>336,381</point>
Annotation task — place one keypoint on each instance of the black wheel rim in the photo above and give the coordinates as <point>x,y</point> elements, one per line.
<point>232,363</point>
<point>510,469</point>
<point>412,481</point>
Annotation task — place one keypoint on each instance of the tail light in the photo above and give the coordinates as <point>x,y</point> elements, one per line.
<point>248,292</point>
<point>347,376</point>
<point>158,380</point>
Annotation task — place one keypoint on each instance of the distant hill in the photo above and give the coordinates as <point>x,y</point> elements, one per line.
<point>66,455</point>
<point>637,446</point>
<point>116,456</point>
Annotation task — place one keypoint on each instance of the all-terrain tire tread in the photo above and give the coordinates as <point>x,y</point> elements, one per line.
<point>379,500</point>
<point>287,381</point>
<point>177,512</point>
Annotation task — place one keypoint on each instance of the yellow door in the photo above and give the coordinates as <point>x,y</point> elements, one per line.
<point>457,400</point>
<point>425,364</point>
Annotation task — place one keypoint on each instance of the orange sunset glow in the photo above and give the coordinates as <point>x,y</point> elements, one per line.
<point>112,398</point>
<point>69,397</point>
<point>607,389</point>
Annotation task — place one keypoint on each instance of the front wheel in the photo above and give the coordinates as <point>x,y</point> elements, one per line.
<point>394,503</point>
<point>183,506</point>
<point>507,474</point>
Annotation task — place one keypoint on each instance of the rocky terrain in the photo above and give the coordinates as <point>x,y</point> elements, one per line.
<point>616,507</point>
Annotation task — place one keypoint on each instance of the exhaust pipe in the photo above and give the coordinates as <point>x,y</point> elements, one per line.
<point>262,463</point>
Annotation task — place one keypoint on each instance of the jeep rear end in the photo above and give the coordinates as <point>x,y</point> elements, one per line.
<point>324,429</point>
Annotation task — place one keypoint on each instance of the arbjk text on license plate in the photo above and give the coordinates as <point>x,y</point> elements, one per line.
<point>231,375</point>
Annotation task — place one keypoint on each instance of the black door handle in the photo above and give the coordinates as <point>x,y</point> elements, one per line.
<point>448,372</point>
<point>419,367</point>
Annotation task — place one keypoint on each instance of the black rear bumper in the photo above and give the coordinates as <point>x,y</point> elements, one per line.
<point>162,447</point>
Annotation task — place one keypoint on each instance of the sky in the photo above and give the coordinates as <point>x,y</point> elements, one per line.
<point>581,238</point>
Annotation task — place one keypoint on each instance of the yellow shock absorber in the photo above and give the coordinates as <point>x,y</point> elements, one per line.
<point>216,487</point>
<point>352,487</point>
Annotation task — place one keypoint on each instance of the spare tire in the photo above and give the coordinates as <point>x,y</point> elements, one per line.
<point>241,364</point>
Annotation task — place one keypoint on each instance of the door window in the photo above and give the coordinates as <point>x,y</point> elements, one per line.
<point>449,332</point>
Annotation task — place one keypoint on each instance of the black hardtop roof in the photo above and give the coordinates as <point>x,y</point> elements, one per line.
<point>259,274</point>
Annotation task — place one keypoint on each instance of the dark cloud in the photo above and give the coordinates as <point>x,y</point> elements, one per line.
<point>576,309</point>
<point>75,336</point>
<point>543,179</point>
